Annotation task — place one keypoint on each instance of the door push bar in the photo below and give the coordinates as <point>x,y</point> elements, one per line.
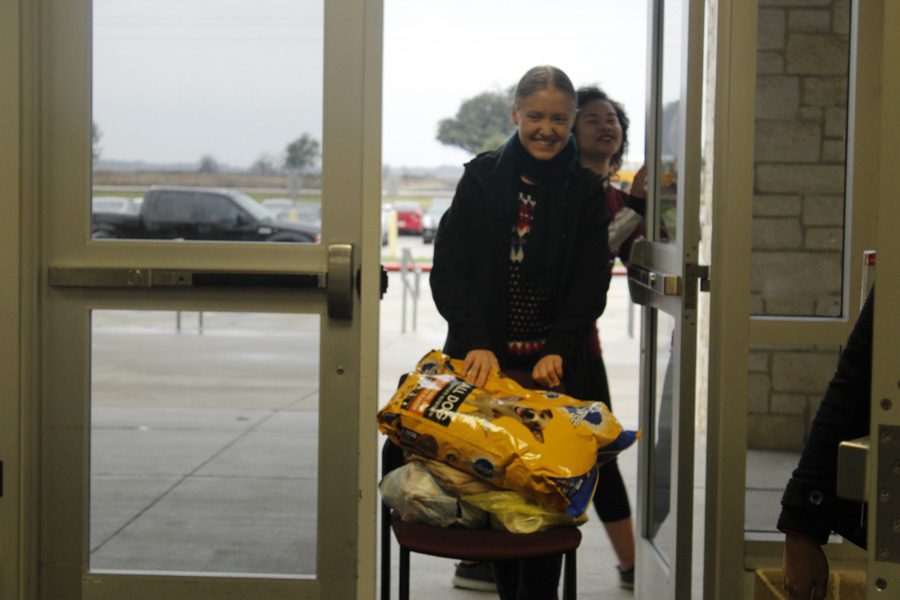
<point>661,283</point>
<point>645,283</point>
<point>337,281</point>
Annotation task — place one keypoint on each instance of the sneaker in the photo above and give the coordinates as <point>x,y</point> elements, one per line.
<point>626,578</point>
<point>474,576</point>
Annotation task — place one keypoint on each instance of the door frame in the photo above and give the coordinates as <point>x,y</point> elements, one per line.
<point>24,112</point>
<point>730,559</point>
<point>19,383</point>
<point>885,373</point>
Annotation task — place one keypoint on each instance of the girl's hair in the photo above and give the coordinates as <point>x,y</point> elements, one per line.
<point>541,78</point>
<point>591,93</point>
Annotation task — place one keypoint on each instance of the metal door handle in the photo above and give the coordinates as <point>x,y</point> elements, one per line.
<point>150,278</point>
<point>337,281</point>
<point>340,281</point>
<point>661,283</point>
<point>853,470</point>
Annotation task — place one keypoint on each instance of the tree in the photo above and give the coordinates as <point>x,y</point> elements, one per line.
<point>265,165</point>
<point>209,164</point>
<point>482,122</point>
<point>302,152</point>
<point>96,134</point>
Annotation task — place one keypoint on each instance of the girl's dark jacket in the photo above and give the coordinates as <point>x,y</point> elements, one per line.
<point>471,261</point>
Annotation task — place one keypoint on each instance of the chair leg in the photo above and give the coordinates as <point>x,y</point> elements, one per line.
<point>385,552</point>
<point>570,582</point>
<point>404,573</point>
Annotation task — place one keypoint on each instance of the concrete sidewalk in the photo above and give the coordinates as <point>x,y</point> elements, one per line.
<point>204,446</point>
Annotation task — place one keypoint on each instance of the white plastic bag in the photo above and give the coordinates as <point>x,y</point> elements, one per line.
<point>413,493</point>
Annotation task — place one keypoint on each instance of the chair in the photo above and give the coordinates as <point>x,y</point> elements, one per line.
<point>472,544</point>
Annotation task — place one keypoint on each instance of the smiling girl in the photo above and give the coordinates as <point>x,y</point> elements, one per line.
<point>521,268</point>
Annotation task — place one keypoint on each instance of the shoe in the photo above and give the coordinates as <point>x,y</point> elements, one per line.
<point>474,576</point>
<point>626,578</point>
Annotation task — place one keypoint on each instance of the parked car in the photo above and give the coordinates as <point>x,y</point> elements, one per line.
<point>409,217</point>
<point>187,213</point>
<point>432,218</point>
<point>295,211</point>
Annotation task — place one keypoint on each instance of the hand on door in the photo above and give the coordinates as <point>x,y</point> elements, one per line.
<point>639,183</point>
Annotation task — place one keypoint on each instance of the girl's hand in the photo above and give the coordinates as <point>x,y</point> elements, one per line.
<point>548,371</point>
<point>478,365</point>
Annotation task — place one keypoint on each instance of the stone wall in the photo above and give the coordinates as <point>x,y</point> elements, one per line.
<point>798,205</point>
<point>785,387</point>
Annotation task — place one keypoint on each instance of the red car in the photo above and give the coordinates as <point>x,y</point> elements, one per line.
<point>409,217</point>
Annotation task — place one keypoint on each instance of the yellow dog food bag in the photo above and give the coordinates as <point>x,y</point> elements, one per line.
<point>541,444</point>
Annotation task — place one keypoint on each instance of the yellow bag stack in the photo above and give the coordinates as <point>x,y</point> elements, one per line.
<point>540,444</point>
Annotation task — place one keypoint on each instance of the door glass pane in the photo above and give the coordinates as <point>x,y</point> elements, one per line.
<point>661,522</point>
<point>786,384</point>
<point>207,120</point>
<point>670,123</point>
<point>204,442</point>
<point>800,160</point>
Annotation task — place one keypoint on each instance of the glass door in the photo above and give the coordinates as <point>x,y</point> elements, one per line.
<point>210,195</point>
<point>663,277</point>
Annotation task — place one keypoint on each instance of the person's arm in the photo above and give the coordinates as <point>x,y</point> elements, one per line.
<point>623,228</point>
<point>456,247</point>
<point>631,217</point>
<point>584,297</point>
<point>810,507</point>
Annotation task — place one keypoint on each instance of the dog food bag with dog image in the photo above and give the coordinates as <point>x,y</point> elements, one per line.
<point>541,444</point>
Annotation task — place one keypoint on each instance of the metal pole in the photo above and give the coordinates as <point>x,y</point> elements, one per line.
<point>630,317</point>
<point>416,299</point>
<point>404,286</point>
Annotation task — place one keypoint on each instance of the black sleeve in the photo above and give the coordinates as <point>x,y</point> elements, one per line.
<point>810,504</point>
<point>584,297</point>
<point>638,205</point>
<point>456,250</point>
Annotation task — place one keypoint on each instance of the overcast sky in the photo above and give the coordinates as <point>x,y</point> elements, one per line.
<point>238,79</point>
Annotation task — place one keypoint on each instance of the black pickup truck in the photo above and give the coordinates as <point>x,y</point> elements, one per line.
<point>190,213</point>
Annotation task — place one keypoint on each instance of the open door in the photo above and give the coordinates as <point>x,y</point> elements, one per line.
<point>663,278</point>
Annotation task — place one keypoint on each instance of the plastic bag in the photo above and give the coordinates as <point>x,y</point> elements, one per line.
<point>543,445</point>
<point>452,480</point>
<point>513,512</point>
<point>508,511</point>
<point>413,493</point>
